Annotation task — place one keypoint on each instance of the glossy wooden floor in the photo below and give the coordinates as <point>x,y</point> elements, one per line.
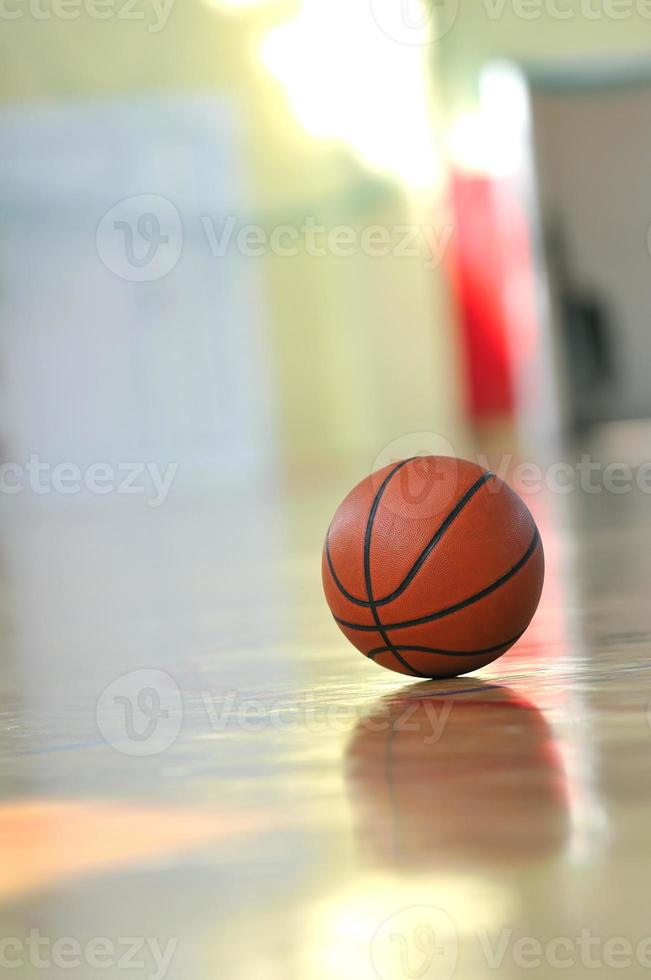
<point>195,761</point>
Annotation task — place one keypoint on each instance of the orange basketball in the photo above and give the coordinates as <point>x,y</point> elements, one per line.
<point>433,567</point>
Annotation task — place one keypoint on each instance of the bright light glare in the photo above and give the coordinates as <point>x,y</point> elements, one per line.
<point>342,935</point>
<point>348,80</point>
<point>470,146</point>
<point>494,140</point>
<point>239,4</point>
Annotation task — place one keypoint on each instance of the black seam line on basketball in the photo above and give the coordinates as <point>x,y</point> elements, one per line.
<point>340,586</point>
<point>367,567</point>
<point>420,561</point>
<point>447,653</point>
<point>412,670</point>
<point>459,605</point>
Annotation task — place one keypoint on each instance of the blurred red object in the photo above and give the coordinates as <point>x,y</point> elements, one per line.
<point>493,282</point>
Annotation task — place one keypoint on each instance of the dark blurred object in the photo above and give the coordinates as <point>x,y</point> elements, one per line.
<point>587,333</point>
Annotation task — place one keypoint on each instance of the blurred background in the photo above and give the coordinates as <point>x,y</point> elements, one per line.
<point>251,250</point>
<point>242,235</point>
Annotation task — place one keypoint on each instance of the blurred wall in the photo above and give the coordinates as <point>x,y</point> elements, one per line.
<point>354,351</point>
<point>594,159</point>
<point>470,34</point>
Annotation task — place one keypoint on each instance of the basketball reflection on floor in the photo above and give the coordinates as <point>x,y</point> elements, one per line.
<point>455,771</point>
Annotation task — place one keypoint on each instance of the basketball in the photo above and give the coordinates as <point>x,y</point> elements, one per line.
<point>433,567</point>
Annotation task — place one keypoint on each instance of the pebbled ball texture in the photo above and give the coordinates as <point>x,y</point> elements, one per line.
<point>433,567</point>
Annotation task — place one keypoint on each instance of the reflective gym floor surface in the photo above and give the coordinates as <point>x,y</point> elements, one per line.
<point>202,779</point>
